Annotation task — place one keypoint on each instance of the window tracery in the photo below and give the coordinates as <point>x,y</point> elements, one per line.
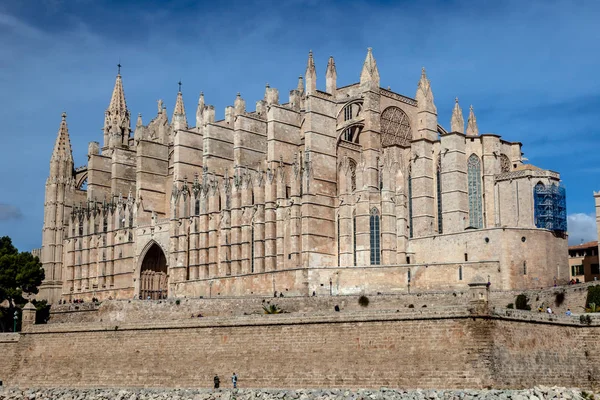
<point>474,185</point>
<point>375,236</point>
<point>395,128</point>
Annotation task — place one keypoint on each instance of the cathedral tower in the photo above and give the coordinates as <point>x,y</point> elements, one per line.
<point>59,186</point>
<point>117,121</point>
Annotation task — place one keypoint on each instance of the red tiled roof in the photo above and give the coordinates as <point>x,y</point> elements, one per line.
<point>584,245</point>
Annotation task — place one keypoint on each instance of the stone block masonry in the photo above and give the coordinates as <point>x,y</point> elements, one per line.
<point>409,349</point>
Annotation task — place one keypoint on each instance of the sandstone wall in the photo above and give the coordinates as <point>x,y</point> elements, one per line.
<point>413,348</point>
<point>136,310</point>
<point>8,348</point>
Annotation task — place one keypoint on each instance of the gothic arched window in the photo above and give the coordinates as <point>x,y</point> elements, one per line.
<point>439,194</point>
<point>410,208</point>
<point>197,207</point>
<point>354,235</point>
<point>474,185</point>
<point>395,128</point>
<point>375,236</point>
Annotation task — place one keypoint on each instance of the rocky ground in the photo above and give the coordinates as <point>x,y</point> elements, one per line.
<point>301,394</point>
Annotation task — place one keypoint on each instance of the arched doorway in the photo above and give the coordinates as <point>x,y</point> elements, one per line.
<point>153,274</point>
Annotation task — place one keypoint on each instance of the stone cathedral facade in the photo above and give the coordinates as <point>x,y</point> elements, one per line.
<point>353,189</point>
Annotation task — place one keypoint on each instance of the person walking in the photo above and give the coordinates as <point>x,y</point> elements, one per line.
<point>234,380</point>
<point>217,381</point>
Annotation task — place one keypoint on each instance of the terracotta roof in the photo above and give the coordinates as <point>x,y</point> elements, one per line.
<point>528,167</point>
<point>584,245</point>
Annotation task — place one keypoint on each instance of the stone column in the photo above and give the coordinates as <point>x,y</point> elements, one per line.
<point>247,207</point>
<point>203,235</point>
<point>270,222</point>
<point>236,221</point>
<point>455,200</point>
<point>259,223</point>
<point>388,211</point>
<point>281,208</point>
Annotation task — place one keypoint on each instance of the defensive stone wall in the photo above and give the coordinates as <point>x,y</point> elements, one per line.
<point>136,310</point>
<point>426,348</point>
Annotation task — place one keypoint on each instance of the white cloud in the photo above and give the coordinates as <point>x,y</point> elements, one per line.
<point>582,228</point>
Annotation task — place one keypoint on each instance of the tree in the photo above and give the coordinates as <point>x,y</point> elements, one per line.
<point>20,272</point>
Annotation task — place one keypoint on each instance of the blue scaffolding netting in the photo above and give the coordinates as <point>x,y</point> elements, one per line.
<point>550,207</point>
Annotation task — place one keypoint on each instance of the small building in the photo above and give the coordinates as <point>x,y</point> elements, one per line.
<point>583,262</point>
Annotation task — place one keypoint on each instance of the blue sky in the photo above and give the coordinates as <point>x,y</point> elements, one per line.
<point>529,68</point>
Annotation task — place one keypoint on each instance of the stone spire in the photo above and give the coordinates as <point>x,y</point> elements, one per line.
<point>117,122</point>
<point>472,129</point>
<point>311,75</point>
<point>139,120</point>
<point>62,145</point>
<point>179,120</point>
<point>424,94</point>
<point>200,110</point>
<point>457,123</point>
<point>331,77</point>
<point>427,112</point>
<point>370,73</point>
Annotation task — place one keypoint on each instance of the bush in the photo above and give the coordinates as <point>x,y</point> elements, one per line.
<point>522,302</point>
<point>510,305</point>
<point>585,319</point>
<point>363,301</point>
<point>272,309</point>
<point>178,302</point>
<point>559,298</point>
<point>593,295</point>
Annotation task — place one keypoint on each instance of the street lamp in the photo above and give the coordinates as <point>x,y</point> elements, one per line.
<point>16,317</point>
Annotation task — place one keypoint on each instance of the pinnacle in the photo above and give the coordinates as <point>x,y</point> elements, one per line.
<point>62,145</point>
<point>369,71</point>
<point>457,122</point>
<point>117,100</point>
<point>472,129</point>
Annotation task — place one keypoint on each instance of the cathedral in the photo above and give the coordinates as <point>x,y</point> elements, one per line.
<point>350,190</point>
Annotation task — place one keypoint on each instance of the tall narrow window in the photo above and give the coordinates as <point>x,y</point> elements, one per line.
<point>439,194</point>
<point>524,267</point>
<point>460,273</point>
<point>348,112</point>
<point>131,217</point>
<point>105,224</point>
<point>354,235</point>
<point>80,227</point>
<point>410,209</point>
<point>197,207</point>
<point>475,202</point>
<point>338,240</point>
<point>252,248</point>
<point>375,236</point>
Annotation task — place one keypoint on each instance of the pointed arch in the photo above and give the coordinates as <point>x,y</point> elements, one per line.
<point>375,236</point>
<point>439,194</point>
<point>474,186</point>
<point>153,267</point>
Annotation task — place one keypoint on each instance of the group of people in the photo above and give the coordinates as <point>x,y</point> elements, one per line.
<point>568,313</point>
<point>77,301</point>
<point>234,380</point>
